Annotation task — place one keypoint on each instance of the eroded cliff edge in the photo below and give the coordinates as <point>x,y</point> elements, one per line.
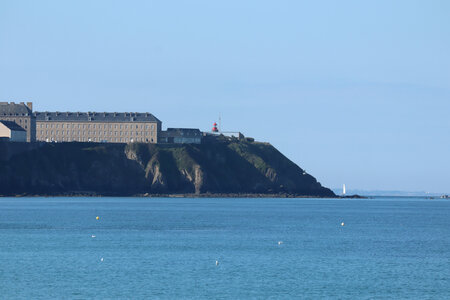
<point>227,167</point>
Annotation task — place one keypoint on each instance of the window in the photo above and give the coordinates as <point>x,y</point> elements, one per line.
<point>62,125</point>
<point>153,126</point>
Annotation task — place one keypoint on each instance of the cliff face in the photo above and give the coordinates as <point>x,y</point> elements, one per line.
<point>117,169</point>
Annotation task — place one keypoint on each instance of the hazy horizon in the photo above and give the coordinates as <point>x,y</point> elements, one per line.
<point>353,92</point>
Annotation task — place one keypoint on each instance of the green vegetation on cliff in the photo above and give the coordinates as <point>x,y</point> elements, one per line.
<point>226,167</point>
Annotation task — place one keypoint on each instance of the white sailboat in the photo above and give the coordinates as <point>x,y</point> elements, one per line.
<point>343,189</point>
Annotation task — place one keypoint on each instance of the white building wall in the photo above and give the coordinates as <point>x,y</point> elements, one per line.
<point>5,131</point>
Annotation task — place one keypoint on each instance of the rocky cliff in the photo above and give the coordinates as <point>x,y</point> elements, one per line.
<point>222,167</point>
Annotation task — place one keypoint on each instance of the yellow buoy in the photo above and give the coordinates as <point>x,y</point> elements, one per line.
<point>97,217</point>
<point>342,224</point>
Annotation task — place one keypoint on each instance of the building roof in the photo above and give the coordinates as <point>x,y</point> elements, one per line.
<point>14,109</point>
<point>95,117</point>
<point>12,125</point>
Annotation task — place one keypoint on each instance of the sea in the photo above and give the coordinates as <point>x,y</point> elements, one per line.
<point>224,248</point>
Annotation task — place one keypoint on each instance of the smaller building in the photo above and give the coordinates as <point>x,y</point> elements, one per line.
<point>12,132</point>
<point>22,115</point>
<point>181,136</point>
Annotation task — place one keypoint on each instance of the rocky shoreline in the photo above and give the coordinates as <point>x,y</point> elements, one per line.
<point>206,195</point>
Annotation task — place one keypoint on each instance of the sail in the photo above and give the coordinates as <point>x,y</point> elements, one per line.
<point>343,189</point>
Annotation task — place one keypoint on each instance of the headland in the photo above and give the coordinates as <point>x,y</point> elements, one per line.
<point>223,167</point>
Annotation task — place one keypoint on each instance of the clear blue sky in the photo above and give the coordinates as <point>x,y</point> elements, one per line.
<point>355,92</point>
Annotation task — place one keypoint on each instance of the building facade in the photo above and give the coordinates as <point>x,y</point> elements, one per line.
<point>12,132</point>
<point>97,127</point>
<point>22,115</point>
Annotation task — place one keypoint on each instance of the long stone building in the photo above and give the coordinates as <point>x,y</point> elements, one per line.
<point>108,127</point>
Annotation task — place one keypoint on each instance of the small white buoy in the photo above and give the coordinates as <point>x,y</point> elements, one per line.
<point>280,242</point>
<point>217,262</point>
<point>92,236</point>
<point>101,259</point>
<point>342,224</point>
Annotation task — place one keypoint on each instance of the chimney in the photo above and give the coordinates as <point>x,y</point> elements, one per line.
<point>30,105</point>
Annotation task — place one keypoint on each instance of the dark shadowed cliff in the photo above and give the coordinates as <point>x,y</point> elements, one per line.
<point>227,167</point>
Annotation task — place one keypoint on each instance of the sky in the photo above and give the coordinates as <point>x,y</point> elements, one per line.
<point>354,92</point>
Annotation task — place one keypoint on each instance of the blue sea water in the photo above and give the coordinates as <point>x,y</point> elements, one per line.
<point>389,248</point>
